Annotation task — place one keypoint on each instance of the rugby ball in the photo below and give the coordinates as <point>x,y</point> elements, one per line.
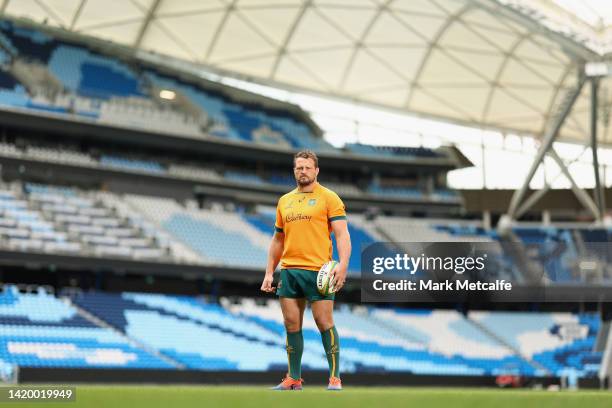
<point>323,284</point>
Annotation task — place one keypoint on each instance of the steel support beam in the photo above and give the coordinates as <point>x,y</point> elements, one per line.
<point>598,192</point>
<point>581,195</point>
<point>146,23</point>
<point>76,15</point>
<point>226,15</point>
<point>531,201</point>
<point>547,141</point>
<point>4,6</point>
<point>605,370</point>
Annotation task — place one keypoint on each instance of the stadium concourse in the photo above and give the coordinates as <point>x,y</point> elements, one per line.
<point>137,203</point>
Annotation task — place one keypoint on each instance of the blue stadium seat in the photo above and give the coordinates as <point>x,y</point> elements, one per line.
<point>198,335</point>
<point>39,330</point>
<point>411,192</point>
<point>93,75</point>
<point>147,166</point>
<point>392,151</point>
<point>242,123</point>
<point>555,340</point>
<point>215,243</point>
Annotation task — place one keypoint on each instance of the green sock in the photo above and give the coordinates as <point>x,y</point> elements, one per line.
<point>331,344</point>
<point>295,347</point>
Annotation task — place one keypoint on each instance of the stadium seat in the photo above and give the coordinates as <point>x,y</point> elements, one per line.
<point>40,330</point>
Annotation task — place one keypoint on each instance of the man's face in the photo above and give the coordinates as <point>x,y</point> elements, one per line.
<point>305,171</point>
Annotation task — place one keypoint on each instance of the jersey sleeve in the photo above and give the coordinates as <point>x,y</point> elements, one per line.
<point>279,225</point>
<point>335,208</point>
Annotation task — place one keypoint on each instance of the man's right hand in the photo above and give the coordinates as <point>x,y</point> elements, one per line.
<point>266,285</point>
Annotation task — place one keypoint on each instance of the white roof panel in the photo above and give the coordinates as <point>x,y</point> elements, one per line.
<point>485,63</point>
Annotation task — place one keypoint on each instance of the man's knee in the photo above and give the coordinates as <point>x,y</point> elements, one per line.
<point>292,323</point>
<point>324,323</point>
<point>323,314</point>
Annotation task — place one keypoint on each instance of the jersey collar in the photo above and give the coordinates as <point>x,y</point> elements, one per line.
<point>315,189</point>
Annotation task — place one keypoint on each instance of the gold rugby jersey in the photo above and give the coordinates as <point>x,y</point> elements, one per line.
<point>305,219</point>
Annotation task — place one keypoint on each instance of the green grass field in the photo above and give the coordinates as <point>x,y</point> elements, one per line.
<point>315,397</point>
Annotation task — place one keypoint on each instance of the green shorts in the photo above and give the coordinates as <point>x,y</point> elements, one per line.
<point>300,283</point>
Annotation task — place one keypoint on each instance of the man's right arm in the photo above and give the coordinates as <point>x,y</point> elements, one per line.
<point>274,255</point>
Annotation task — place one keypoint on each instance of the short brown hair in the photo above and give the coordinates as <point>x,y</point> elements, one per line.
<point>306,154</point>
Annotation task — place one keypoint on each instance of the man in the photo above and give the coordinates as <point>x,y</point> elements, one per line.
<point>305,219</point>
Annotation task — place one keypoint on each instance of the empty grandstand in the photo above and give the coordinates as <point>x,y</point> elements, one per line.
<point>138,199</point>
<point>138,330</point>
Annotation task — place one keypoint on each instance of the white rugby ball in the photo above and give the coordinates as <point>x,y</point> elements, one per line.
<point>323,284</point>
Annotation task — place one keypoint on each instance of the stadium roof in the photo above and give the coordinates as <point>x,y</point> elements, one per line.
<point>496,63</point>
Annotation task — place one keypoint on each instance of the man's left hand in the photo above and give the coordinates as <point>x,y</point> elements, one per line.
<point>337,277</point>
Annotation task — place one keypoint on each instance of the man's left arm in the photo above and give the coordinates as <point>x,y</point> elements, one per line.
<point>343,242</point>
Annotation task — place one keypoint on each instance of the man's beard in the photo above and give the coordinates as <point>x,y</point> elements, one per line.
<point>305,181</point>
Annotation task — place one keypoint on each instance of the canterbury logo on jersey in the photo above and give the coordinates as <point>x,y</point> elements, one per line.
<point>297,217</point>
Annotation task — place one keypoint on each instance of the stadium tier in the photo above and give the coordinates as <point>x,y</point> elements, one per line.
<point>391,151</point>
<point>85,83</point>
<point>170,168</point>
<point>556,341</point>
<point>92,75</point>
<point>396,191</point>
<point>12,93</point>
<point>125,330</point>
<point>559,249</point>
<point>238,122</point>
<point>414,193</point>
<point>403,229</point>
<point>191,332</point>
<point>25,228</point>
<point>131,164</point>
<point>40,330</point>
<point>51,219</point>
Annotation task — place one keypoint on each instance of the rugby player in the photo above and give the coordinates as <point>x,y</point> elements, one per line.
<point>305,219</point>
